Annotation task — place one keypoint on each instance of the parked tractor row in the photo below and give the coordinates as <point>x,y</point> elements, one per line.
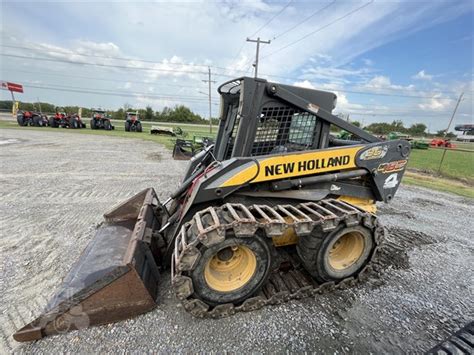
<point>99,120</point>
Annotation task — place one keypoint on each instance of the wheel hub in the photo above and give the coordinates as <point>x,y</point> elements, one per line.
<point>230,268</point>
<point>346,250</point>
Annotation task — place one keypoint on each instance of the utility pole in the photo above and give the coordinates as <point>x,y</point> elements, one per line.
<point>209,95</point>
<point>258,41</point>
<point>39,104</point>
<point>447,129</point>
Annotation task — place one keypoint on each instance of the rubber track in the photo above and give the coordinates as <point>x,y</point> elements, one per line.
<point>461,342</point>
<point>209,227</point>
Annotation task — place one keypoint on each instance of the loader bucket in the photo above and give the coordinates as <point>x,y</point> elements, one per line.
<point>183,150</point>
<point>115,278</point>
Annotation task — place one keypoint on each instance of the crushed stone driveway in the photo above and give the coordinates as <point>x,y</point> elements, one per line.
<point>55,186</point>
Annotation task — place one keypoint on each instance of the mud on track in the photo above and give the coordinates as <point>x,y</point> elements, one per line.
<point>54,187</point>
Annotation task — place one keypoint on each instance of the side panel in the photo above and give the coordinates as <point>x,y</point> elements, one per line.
<point>294,165</point>
<point>385,163</point>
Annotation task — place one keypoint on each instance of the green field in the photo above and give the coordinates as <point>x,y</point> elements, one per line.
<point>119,131</point>
<point>457,164</point>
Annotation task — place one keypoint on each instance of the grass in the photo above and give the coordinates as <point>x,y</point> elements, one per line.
<point>438,183</point>
<point>119,131</point>
<point>457,164</point>
<point>457,172</point>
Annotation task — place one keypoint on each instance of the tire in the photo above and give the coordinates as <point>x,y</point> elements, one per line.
<point>37,121</point>
<point>139,127</point>
<point>214,287</point>
<point>338,254</point>
<point>107,125</point>
<point>53,123</point>
<point>93,124</point>
<point>127,126</point>
<point>19,119</point>
<point>73,123</point>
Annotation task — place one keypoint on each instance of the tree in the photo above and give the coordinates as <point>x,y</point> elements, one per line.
<point>417,129</point>
<point>381,128</point>
<point>356,123</point>
<point>149,114</point>
<point>119,114</point>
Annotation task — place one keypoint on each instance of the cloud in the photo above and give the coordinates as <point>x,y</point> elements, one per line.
<point>436,103</point>
<point>368,62</point>
<point>379,83</point>
<point>343,103</point>
<point>422,75</point>
<point>304,84</point>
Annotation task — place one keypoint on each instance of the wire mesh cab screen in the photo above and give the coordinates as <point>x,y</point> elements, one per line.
<point>283,129</point>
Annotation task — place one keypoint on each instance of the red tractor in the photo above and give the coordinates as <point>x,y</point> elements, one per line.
<point>62,119</point>
<point>132,122</point>
<point>100,119</point>
<point>31,118</point>
<point>441,143</point>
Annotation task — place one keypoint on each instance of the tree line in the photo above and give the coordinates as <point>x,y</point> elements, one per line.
<point>178,113</point>
<point>416,129</point>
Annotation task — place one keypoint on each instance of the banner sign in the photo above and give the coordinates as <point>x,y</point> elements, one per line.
<point>11,86</point>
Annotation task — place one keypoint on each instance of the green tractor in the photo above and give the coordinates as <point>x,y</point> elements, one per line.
<point>415,143</point>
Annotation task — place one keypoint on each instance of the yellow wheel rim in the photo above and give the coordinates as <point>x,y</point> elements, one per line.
<point>346,250</point>
<point>230,268</point>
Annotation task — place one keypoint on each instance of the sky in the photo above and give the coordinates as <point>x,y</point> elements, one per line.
<point>385,60</point>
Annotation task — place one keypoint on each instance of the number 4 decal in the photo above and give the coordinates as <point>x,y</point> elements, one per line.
<point>391,181</point>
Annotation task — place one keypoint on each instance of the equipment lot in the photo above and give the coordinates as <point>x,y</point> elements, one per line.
<point>55,187</point>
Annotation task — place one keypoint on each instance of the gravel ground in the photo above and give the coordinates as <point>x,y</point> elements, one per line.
<point>54,187</point>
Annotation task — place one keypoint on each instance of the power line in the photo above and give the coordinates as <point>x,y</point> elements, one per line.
<point>306,19</point>
<point>108,65</point>
<point>194,86</point>
<point>257,31</point>
<point>319,29</point>
<point>271,19</point>
<point>120,94</point>
<point>376,93</point>
<point>100,79</point>
<point>268,75</point>
<point>190,97</point>
<point>71,52</point>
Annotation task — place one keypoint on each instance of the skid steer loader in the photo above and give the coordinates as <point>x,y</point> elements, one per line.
<point>276,209</point>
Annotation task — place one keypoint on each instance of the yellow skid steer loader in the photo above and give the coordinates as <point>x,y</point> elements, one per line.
<point>277,209</point>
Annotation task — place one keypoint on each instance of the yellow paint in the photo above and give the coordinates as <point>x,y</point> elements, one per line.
<point>227,274</point>
<point>363,203</point>
<point>288,237</point>
<point>346,251</point>
<point>295,165</point>
<point>15,107</point>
